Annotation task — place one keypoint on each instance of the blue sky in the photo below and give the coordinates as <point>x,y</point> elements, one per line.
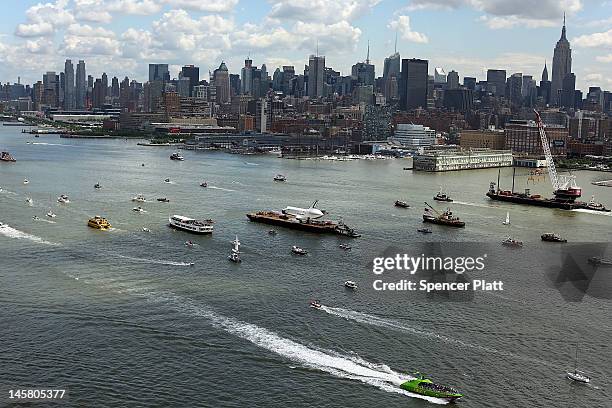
<point>120,37</point>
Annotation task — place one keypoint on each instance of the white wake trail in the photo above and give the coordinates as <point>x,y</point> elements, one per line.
<point>11,232</point>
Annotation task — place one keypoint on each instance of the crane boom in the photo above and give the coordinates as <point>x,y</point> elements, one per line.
<point>552,170</point>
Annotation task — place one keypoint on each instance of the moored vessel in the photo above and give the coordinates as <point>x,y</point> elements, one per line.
<point>552,237</point>
<point>191,225</point>
<point>424,386</point>
<point>446,218</point>
<point>98,222</point>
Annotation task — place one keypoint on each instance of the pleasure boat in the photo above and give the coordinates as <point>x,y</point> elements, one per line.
<point>315,304</point>
<point>97,186</point>
<point>552,237</point>
<point>50,214</point>
<point>423,386</point>
<point>272,232</point>
<point>139,198</point>
<point>138,209</point>
<point>424,230</point>
<point>234,256</point>
<point>163,200</point>
<point>346,247</point>
<point>442,196</point>
<point>26,181</point>
<point>577,375</point>
<point>29,201</point>
<point>167,180</point>
<point>145,229</point>
<point>35,217</point>
<point>98,222</point>
<point>203,184</point>
<point>176,156</point>
<point>280,177</point>
<point>507,220</point>
<point>511,242</point>
<point>299,251</point>
<point>189,244</point>
<point>6,157</point>
<point>191,225</point>
<point>350,284</point>
<point>63,199</point>
<point>402,204</point>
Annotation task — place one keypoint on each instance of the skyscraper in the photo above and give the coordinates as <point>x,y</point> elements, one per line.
<point>193,73</point>
<point>452,80</point>
<point>159,72</point>
<point>544,90</point>
<point>364,71</point>
<point>496,81</point>
<point>69,96</point>
<point>316,75</point>
<point>80,85</point>
<point>414,84</point>
<point>222,82</point>
<point>562,65</point>
<point>246,78</point>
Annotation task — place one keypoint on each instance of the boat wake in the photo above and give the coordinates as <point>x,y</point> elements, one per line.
<point>221,188</point>
<point>340,365</point>
<point>52,144</point>
<point>251,164</point>
<point>471,204</point>
<point>155,261</point>
<point>11,232</point>
<point>365,318</point>
<point>587,211</point>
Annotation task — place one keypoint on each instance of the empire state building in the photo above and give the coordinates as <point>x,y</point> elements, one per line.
<point>562,65</point>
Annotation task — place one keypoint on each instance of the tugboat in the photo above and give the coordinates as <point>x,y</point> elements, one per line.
<point>511,242</point>
<point>595,206</point>
<point>552,237</point>
<point>445,218</point>
<point>98,222</point>
<point>402,204</point>
<point>234,256</point>
<point>350,285</point>
<point>442,197</point>
<point>424,386</point>
<point>63,199</point>
<point>298,251</point>
<point>6,157</point>
<point>176,156</point>
<point>280,177</point>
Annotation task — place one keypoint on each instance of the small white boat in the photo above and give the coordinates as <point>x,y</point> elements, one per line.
<point>63,199</point>
<point>50,214</point>
<point>189,244</point>
<point>346,247</point>
<point>204,184</point>
<point>29,201</point>
<point>315,304</point>
<point>350,284</point>
<point>507,221</point>
<point>139,198</point>
<point>25,181</point>
<point>138,209</point>
<point>511,242</point>
<point>176,156</point>
<point>577,375</point>
<point>97,186</point>
<point>299,251</point>
<point>167,180</point>
<point>145,229</point>
<point>280,177</point>
<point>35,217</point>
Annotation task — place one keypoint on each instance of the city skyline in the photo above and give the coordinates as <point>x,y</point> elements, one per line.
<point>123,37</point>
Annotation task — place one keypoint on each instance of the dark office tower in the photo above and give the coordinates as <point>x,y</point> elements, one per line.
<point>545,73</point>
<point>413,84</point>
<point>567,92</point>
<point>246,78</point>
<point>234,84</point>
<point>562,65</point>
<point>391,76</point>
<point>221,81</point>
<point>316,75</point>
<point>288,75</point>
<point>496,82</point>
<point>80,85</point>
<point>363,72</point>
<point>515,89</point>
<point>277,80</point>
<point>193,73</point>
<point>452,80</point>
<point>114,90</point>
<point>51,89</point>
<point>97,96</point>
<point>61,88</point>
<point>545,85</point>
<point>159,72</point>
<point>124,94</point>
<point>469,83</point>
<point>69,88</point>
<point>104,87</point>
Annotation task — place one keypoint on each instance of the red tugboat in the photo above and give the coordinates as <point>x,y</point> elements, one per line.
<point>445,218</point>
<point>565,190</point>
<point>6,156</point>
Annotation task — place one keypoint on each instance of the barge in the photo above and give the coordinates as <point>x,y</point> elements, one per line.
<point>289,220</point>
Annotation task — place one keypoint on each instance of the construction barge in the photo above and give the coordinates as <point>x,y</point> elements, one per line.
<point>304,220</point>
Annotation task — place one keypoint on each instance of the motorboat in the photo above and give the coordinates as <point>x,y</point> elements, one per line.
<point>315,304</point>
<point>346,247</point>
<point>350,284</point>
<point>189,244</point>
<point>552,237</point>
<point>423,386</point>
<point>298,251</point>
<point>138,209</point>
<point>191,225</point>
<point>402,204</point>
<point>203,184</point>
<point>280,177</point>
<point>139,198</point>
<point>35,217</point>
<point>163,200</point>
<point>511,242</point>
<point>234,256</point>
<point>97,186</point>
<point>29,201</point>
<point>26,181</point>
<point>424,230</point>
<point>272,232</point>
<point>167,180</point>
<point>63,199</point>
<point>98,222</point>
<point>176,156</point>
<point>145,229</point>
<point>507,220</point>
<point>50,214</point>
<point>6,157</point>
<point>440,196</point>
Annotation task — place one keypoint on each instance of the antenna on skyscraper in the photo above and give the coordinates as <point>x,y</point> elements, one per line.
<point>317,47</point>
<point>368,55</point>
<point>395,42</point>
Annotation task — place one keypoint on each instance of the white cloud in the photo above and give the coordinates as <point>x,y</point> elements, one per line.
<point>141,7</point>
<point>402,24</point>
<point>89,31</point>
<point>594,40</point>
<point>496,22</point>
<point>604,58</point>
<point>79,46</point>
<point>320,10</point>
<point>211,6</point>
<point>34,29</point>
<point>44,19</point>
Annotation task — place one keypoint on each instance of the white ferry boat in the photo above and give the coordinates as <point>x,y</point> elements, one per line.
<point>190,225</point>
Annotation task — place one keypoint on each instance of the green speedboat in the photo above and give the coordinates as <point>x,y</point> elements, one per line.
<point>424,386</point>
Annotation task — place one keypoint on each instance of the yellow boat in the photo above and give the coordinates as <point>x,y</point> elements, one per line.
<point>98,222</point>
